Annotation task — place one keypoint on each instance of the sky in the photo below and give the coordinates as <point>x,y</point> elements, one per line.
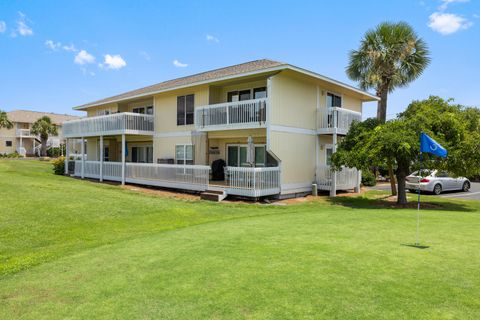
<point>55,55</point>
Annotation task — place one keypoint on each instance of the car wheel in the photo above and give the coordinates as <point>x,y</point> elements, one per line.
<point>466,186</point>
<point>437,189</point>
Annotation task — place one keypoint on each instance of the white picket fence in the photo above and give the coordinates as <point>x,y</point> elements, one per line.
<point>347,178</point>
<point>337,118</point>
<point>232,115</point>
<point>118,123</point>
<point>253,182</point>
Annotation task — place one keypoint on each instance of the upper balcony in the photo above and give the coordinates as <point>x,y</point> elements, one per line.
<point>246,114</point>
<point>336,120</point>
<point>112,124</point>
<point>25,133</point>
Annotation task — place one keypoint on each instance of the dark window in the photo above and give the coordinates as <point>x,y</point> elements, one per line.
<point>150,110</point>
<point>185,112</point>
<point>244,95</point>
<point>232,96</point>
<point>333,100</point>
<point>259,93</point>
<point>139,110</point>
<point>134,154</point>
<point>8,143</point>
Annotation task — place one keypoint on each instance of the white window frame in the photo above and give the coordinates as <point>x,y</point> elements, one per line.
<point>334,93</point>
<point>252,97</point>
<point>245,145</point>
<point>328,146</point>
<point>185,145</point>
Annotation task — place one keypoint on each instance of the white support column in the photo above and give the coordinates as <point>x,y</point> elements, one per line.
<point>82,148</point>
<point>359,181</point>
<point>123,159</point>
<point>333,187</point>
<point>101,158</point>
<point>67,155</point>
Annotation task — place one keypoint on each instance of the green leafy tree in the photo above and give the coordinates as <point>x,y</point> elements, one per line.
<point>44,128</point>
<point>4,122</point>
<point>396,142</point>
<point>390,56</point>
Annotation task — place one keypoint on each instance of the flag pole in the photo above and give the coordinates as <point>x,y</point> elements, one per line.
<point>418,201</point>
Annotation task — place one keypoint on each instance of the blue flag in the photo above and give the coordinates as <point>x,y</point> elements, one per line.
<point>429,145</point>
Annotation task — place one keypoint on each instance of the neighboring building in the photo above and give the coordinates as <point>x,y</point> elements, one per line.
<point>20,138</point>
<point>275,126</point>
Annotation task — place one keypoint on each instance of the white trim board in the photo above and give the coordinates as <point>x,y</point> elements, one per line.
<point>293,130</point>
<point>171,134</point>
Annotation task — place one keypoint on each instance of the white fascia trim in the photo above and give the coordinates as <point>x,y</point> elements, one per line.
<point>293,130</point>
<point>173,134</point>
<point>277,68</point>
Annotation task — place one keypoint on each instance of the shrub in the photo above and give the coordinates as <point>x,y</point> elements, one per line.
<point>59,165</point>
<point>368,178</point>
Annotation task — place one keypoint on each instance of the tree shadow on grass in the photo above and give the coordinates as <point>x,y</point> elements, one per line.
<point>385,202</point>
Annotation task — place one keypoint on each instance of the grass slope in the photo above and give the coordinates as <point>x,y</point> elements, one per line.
<point>316,260</point>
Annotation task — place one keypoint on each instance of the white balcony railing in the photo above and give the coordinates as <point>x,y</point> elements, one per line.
<point>25,133</point>
<point>337,119</point>
<point>253,182</point>
<point>232,115</point>
<point>188,177</point>
<point>347,178</point>
<point>118,123</point>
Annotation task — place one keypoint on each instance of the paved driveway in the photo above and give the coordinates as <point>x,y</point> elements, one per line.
<point>473,194</point>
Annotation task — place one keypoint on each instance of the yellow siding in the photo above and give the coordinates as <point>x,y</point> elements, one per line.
<point>94,111</point>
<point>297,155</point>
<point>166,108</point>
<point>293,102</point>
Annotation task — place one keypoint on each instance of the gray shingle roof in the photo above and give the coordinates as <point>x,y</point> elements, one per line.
<point>242,68</point>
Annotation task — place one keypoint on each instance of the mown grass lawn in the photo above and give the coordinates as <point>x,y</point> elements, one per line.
<point>81,250</point>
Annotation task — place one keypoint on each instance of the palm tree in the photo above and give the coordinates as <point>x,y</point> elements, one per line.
<point>4,122</point>
<point>389,57</point>
<point>44,127</point>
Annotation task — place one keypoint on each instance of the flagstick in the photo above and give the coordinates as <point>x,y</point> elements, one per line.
<point>418,203</point>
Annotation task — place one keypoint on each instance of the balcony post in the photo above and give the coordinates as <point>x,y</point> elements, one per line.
<point>83,157</point>
<point>67,155</point>
<point>101,159</point>
<point>123,159</point>
<point>228,117</point>
<point>359,181</point>
<point>333,187</point>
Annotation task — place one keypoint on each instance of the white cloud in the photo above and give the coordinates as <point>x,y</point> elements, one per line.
<point>113,62</point>
<point>211,38</point>
<point>52,45</point>
<point>445,3</point>
<point>476,16</point>
<point>178,64</point>
<point>83,57</point>
<point>22,28</point>
<point>69,48</point>
<point>448,23</point>
<point>3,26</point>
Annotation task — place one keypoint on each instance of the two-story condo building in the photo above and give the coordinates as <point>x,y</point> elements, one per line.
<point>261,128</point>
<point>21,139</point>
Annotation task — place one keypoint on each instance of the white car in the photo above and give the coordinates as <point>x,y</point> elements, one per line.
<point>436,181</point>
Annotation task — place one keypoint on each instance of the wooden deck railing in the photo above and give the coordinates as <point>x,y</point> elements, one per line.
<point>347,178</point>
<point>253,182</point>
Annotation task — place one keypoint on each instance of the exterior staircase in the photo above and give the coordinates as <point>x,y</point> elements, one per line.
<point>213,195</point>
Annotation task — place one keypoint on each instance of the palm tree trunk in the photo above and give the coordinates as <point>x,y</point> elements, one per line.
<point>382,105</point>
<point>43,149</point>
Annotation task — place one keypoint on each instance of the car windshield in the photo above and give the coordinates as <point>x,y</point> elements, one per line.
<point>425,173</point>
